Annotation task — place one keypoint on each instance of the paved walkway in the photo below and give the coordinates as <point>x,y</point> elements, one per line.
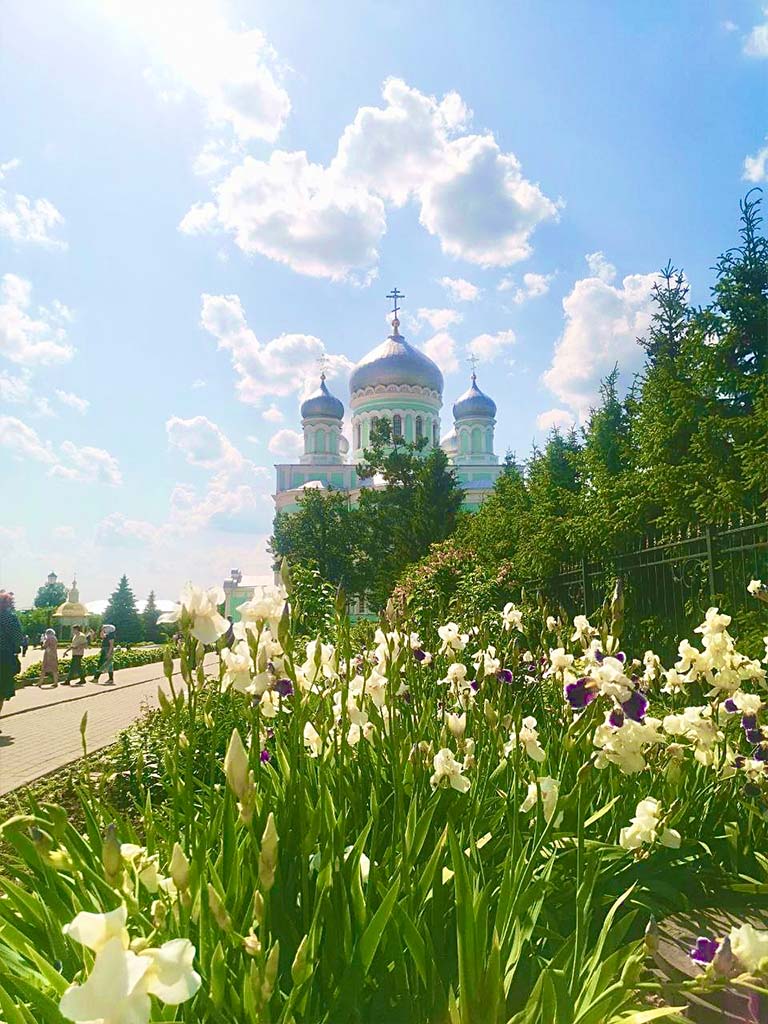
<point>41,727</point>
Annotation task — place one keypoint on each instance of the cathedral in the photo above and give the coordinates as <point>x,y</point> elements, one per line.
<point>402,384</point>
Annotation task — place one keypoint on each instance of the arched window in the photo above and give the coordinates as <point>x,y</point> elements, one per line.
<point>397,425</point>
<point>435,435</point>
<point>320,437</point>
<point>419,428</point>
<point>477,441</point>
<point>358,438</point>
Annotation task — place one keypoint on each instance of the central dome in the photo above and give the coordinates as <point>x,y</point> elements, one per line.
<point>394,361</point>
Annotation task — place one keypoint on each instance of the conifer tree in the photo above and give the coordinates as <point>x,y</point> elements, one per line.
<point>122,614</point>
<point>149,618</point>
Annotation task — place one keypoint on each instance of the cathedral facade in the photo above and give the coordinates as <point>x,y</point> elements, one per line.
<point>397,382</point>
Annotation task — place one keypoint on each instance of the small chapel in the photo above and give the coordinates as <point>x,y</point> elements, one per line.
<point>401,383</point>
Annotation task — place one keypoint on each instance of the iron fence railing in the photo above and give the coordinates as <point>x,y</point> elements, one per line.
<point>669,582</point>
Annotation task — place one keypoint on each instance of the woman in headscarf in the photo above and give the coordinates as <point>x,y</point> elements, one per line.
<point>10,645</point>
<point>107,652</point>
<point>50,665</point>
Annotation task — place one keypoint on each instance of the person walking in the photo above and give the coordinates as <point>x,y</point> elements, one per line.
<point>76,648</point>
<point>24,645</point>
<point>106,655</point>
<point>50,666</point>
<point>10,645</point>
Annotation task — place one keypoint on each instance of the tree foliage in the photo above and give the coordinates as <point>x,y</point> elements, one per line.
<point>51,595</point>
<point>122,614</point>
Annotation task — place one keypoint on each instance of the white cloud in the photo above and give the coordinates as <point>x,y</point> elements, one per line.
<point>199,383</point>
<point>600,267</point>
<point>15,389</point>
<point>438,319</point>
<point>533,287</point>
<point>459,289</point>
<point>560,418</point>
<point>603,321</point>
<point>327,221</point>
<point>480,206</point>
<point>73,401</point>
<point>273,415</point>
<point>442,349</point>
<point>490,346</point>
<point>729,26</point>
<point>30,337</point>
<point>287,442</point>
<point>203,443</point>
<point>117,529</point>
<point>283,366</point>
<point>756,167</point>
<point>70,461</point>
<point>234,72</point>
<point>87,464</point>
<point>28,220</point>
<point>756,43</point>
<point>298,213</point>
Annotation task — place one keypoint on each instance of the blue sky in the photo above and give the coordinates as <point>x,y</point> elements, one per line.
<point>200,199</point>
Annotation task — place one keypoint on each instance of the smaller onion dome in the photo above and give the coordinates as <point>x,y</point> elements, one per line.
<point>473,404</point>
<point>322,404</point>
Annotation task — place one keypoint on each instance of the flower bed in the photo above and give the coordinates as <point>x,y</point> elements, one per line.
<point>481,832</point>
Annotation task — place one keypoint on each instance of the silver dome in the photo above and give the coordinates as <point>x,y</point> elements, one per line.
<point>474,404</point>
<point>322,403</point>
<point>394,361</point>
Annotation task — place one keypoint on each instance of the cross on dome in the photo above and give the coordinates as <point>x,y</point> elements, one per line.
<point>473,361</point>
<point>395,295</point>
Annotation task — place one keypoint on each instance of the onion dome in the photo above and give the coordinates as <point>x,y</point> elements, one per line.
<point>72,608</point>
<point>474,404</point>
<point>394,361</point>
<point>322,404</point>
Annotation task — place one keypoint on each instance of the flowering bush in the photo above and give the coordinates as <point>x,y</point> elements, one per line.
<point>474,830</point>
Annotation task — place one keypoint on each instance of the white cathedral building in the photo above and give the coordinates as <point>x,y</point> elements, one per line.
<point>400,383</point>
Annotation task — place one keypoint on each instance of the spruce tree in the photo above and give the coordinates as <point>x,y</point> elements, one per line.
<point>149,618</point>
<point>51,595</point>
<point>122,614</point>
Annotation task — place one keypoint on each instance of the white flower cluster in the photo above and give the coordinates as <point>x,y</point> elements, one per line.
<point>626,745</point>
<point>643,830</point>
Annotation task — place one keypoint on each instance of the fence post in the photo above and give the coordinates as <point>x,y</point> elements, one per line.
<point>709,537</point>
<point>585,585</point>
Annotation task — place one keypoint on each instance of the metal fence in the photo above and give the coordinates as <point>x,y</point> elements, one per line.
<point>669,582</point>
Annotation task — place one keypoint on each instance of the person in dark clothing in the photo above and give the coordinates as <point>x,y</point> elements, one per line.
<point>229,636</point>
<point>10,645</point>
<point>24,645</point>
<point>105,657</point>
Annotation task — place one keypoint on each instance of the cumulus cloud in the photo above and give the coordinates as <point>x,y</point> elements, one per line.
<point>487,347</point>
<point>31,337</point>
<point>234,72</point>
<point>603,321</point>
<point>15,389</point>
<point>25,220</point>
<point>560,418</point>
<point>297,213</point>
<point>119,530</point>
<point>73,401</point>
<point>273,414</point>
<point>459,289</point>
<point>442,349</point>
<point>437,319</point>
<point>203,443</point>
<point>289,443</point>
<point>327,221</point>
<point>283,366</point>
<point>533,287</point>
<point>69,461</point>
<point>756,43</point>
<point>756,167</point>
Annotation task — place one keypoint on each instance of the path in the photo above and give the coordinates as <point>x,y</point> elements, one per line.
<point>41,728</point>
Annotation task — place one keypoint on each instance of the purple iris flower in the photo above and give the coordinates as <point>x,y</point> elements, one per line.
<point>730,706</point>
<point>284,687</point>
<point>270,734</point>
<point>419,655</point>
<point>621,656</point>
<point>704,951</point>
<point>753,735</point>
<point>739,760</point>
<point>749,722</point>
<point>761,754</point>
<point>265,756</point>
<point>475,685</point>
<point>616,718</point>
<point>636,707</point>
<point>599,656</point>
<point>504,675</point>
<point>578,694</point>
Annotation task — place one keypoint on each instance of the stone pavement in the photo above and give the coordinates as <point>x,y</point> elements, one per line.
<point>41,727</point>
